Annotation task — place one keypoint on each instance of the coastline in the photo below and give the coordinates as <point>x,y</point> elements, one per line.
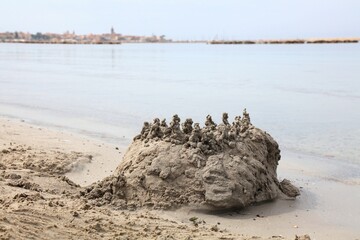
<point>321,210</point>
<point>211,42</point>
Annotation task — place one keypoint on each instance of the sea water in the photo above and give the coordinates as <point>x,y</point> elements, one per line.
<point>306,96</point>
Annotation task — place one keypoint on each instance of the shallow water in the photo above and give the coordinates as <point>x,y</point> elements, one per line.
<point>306,96</point>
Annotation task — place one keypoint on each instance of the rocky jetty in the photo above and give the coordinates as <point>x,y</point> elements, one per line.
<point>222,165</point>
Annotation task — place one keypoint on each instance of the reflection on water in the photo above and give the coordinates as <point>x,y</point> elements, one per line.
<point>306,96</point>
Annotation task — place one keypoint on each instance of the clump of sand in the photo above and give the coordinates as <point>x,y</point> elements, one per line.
<point>218,166</point>
<point>57,162</point>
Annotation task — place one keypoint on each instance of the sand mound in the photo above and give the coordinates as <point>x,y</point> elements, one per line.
<point>25,157</point>
<point>219,166</point>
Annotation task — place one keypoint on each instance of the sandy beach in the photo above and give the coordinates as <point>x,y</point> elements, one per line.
<point>167,120</point>
<point>43,170</point>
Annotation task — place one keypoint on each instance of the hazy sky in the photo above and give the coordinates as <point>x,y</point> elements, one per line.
<point>185,19</point>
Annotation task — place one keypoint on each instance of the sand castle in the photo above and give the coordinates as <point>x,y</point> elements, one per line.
<point>217,166</point>
<point>210,139</point>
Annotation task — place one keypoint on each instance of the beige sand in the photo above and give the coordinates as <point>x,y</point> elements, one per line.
<point>38,202</point>
<point>90,160</point>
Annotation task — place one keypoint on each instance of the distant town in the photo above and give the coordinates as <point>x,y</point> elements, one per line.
<point>71,38</point>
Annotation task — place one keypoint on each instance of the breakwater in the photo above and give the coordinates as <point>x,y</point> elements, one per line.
<point>287,41</point>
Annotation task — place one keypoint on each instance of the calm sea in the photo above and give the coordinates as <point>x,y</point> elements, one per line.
<point>306,96</point>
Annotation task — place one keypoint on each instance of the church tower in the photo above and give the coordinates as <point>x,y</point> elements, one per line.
<point>113,35</point>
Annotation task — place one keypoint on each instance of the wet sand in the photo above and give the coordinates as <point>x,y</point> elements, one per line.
<point>327,208</point>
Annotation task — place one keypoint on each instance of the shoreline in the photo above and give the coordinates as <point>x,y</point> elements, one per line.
<point>93,132</point>
<point>211,42</point>
<point>320,211</point>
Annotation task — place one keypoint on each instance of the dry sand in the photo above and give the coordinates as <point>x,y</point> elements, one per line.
<point>40,170</point>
